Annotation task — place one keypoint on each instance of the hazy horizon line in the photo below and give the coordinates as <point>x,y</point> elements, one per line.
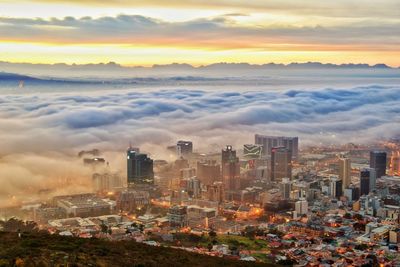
<point>197,66</point>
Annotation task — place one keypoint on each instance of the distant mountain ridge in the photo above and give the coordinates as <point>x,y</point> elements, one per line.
<point>104,71</point>
<point>208,66</point>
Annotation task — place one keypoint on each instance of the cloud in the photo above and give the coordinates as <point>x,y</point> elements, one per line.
<point>42,133</point>
<point>212,33</point>
<point>113,118</point>
<point>338,8</point>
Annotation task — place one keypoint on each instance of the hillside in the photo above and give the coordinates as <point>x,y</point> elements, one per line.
<point>37,249</point>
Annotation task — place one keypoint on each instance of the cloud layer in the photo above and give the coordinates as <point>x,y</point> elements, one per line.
<point>110,119</point>
<point>41,134</point>
<point>221,32</point>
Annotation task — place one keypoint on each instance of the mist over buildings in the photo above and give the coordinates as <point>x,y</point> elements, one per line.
<point>41,131</point>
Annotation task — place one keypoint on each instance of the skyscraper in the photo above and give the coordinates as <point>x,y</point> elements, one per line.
<point>139,168</point>
<point>377,160</point>
<point>345,172</point>
<point>269,142</point>
<point>285,188</point>
<point>394,165</point>
<point>251,151</point>
<point>215,192</point>
<point>208,172</point>
<point>281,163</point>
<point>336,187</point>
<point>230,169</point>
<point>184,148</point>
<point>301,206</point>
<point>367,180</point>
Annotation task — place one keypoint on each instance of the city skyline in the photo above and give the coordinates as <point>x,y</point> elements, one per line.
<point>200,133</point>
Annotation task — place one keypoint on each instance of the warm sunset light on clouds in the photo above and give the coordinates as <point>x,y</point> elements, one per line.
<point>200,32</point>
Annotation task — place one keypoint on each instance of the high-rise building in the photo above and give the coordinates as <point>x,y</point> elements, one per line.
<point>301,207</point>
<point>336,187</point>
<point>269,142</point>
<point>215,192</point>
<point>285,188</point>
<point>105,182</point>
<point>187,173</point>
<point>281,164</point>
<point>352,193</point>
<point>367,180</point>
<point>139,168</point>
<point>345,171</point>
<point>377,160</point>
<point>394,165</point>
<point>184,148</point>
<point>208,172</point>
<point>230,169</point>
<point>251,151</point>
<point>192,186</point>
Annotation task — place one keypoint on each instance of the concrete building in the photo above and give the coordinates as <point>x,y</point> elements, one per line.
<point>215,192</point>
<point>281,164</point>
<point>139,168</point>
<point>184,149</point>
<point>177,216</point>
<point>84,205</point>
<point>345,171</point>
<point>285,188</point>
<point>378,161</point>
<point>367,180</point>
<point>129,201</point>
<point>230,169</point>
<point>251,151</point>
<point>106,182</point>
<point>208,172</point>
<point>269,142</point>
<point>336,187</point>
<point>301,207</point>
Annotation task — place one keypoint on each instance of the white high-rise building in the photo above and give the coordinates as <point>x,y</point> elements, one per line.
<point>285,188</point>
<point>301,207</point>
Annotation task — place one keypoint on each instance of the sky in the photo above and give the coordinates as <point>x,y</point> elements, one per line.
<point>148,32</point>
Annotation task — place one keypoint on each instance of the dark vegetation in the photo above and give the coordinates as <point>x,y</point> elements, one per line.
<point>40,249</point>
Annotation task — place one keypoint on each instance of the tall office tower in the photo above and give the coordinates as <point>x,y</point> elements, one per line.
<point>192,185</point>
<point>345,172</point>
<point>105,182</point>
<point>367,180</point>
<point>301,206</point>
<point>336,187</point>
<point>269,142</point>
<point>394,165</point>
<point>352,193</point>
<point>139,167</point>
<point>208,172</point>
<point>251,151</point>
<point>281,164</point>
<point>215,192</point>
<point>230,169</point>
<point>377,160</point>
<point>184,148</point>
<point>285,188</point>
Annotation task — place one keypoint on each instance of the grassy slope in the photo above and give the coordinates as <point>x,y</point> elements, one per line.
<point>48,250</point>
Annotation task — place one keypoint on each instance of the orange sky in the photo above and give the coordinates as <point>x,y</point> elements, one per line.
<point>200,32</point>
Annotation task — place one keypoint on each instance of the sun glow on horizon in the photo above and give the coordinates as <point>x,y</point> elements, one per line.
<point>146,33</point>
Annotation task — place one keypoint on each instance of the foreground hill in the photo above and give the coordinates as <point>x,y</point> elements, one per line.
<point>36,249</point>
